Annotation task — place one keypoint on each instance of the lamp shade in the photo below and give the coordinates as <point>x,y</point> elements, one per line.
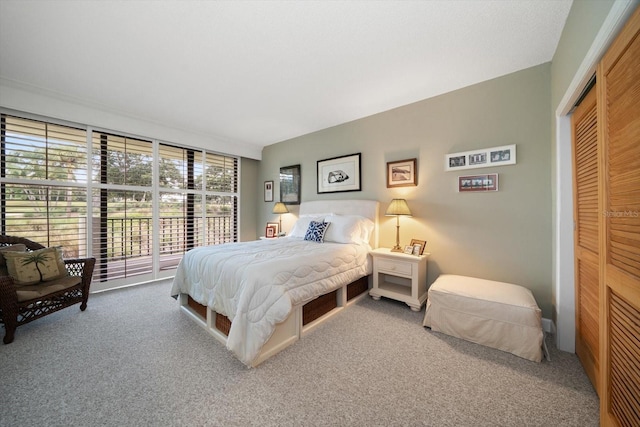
<point>280,208</point>
<point>398,207</point>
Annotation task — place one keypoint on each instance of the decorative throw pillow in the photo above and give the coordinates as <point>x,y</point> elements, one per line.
<point>20,247</point>
<point>29,268</point>
<point>316,230</point>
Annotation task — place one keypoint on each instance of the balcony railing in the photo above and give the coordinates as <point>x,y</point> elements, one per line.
<point>126,246</point>
<point>123,247</point>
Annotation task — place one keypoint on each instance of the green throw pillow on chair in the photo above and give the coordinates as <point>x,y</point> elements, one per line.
<point>29,268</point>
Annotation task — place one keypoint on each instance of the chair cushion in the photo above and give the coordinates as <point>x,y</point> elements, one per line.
<point>20,247</point>
<point>28,292</point>
<point>29,268</point>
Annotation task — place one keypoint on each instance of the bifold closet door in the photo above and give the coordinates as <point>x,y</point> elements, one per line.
<point>584,127</point>
<point>619,138</point>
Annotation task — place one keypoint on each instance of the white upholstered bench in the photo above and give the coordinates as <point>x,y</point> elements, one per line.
<point>495,314</point>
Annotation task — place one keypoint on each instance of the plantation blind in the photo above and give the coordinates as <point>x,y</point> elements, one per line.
<point>150,201</point>
<point>43,183</point>
<point>122,234</point>
<point>221,199</point>
<point>180,214</point>
<point>198,201</point>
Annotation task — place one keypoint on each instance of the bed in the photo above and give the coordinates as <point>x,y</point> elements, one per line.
<point>259,297</point>
<point>495,314</point>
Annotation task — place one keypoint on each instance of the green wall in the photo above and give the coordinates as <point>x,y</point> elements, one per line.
<point>249,198</point>
<point>505,235</point>
<point>583,23</point>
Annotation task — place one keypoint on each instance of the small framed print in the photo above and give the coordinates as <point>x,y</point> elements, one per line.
<point>270,232</point>
<point>456,161</point>
<point>418,246</point>
<point>502,155</point>
<point>402,173</point>
<point>408,249</point>
<point>476,183</point>
<point>275,226</point>
<point>268,191</point>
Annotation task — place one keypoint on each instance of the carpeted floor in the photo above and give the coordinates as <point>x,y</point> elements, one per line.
<point>134,359</point>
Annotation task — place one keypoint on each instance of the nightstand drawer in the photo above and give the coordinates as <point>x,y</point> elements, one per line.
<point>394,266</point>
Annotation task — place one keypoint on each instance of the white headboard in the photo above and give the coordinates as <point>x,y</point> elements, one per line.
<point>366,208</point>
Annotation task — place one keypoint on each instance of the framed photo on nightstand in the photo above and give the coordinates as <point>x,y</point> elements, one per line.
<point>270,232</point>
<point>275,226</point>
<point>418,246</point>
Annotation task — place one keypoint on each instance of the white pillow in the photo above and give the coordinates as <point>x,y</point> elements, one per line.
<point>348,229</point>
<point>366,228</point>
<point>302,224</point>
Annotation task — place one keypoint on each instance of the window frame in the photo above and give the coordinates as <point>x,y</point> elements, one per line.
<point>156,190</point>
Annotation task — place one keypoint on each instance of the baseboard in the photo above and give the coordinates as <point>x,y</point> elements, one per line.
<point>548,326</point>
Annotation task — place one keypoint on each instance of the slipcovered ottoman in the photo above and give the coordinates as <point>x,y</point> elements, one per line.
<point>495,314</point>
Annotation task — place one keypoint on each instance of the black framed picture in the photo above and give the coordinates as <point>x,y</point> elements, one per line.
<point>268,191</point>
<point>290,185</point>
<point>339,174</point>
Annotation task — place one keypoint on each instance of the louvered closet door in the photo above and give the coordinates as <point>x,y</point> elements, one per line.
<point>585,215</point>
<point>619,120</point>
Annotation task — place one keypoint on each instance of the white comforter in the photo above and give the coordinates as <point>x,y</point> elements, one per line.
<point>256,284</point>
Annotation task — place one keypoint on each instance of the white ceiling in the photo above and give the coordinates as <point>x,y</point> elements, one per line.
<point>259,72</point>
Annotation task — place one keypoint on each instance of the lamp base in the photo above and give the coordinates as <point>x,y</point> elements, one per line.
<point>397,249</point>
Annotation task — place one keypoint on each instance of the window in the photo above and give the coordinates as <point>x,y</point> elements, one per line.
<point>122,229</point>
<point>144,212</point>
<point>185,221</point>
<point>43,183</point>
<point>221,199</point>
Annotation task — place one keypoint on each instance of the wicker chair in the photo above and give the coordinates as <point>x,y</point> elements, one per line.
<point>16,309</point>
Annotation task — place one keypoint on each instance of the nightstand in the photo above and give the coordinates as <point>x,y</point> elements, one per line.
<point>400,276</point>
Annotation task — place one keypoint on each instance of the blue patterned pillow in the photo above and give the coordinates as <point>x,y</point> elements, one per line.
<point>316,230</point>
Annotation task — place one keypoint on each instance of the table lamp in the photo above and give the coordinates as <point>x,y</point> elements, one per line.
<point>398,208</point>
<point>280,208</point>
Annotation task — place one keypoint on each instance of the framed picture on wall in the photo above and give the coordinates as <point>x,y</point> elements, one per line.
<point>290,185</point>
<point>495,156</point>
<point>268,191</point>
<point>402,173</point>
<point>339,174</point>
<point>502,155</point>
<point>476,183</point>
